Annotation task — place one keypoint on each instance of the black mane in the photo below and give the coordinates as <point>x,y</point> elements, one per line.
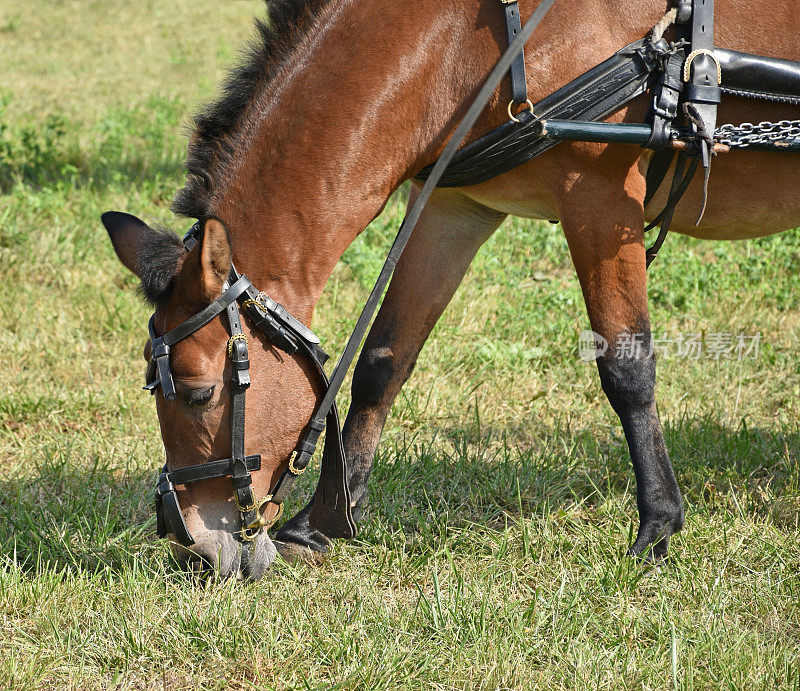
<point>213,143</point>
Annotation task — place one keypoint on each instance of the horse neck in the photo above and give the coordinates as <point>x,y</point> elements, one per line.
<point>369,98</point>
<point>364,103</point>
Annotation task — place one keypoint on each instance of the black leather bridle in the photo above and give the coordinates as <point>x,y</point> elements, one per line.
<point>331,512</point>
<point>283,331</point>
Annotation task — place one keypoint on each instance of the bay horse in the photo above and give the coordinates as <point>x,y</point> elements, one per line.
<point>337,104</point>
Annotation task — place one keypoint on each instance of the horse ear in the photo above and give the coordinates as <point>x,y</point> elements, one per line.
<point>215,258</point>
<point>129,236</point>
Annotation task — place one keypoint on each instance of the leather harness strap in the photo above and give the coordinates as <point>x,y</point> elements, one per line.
<point>629,73</point>
<point>680,183</point>
<point>519,82</point>
<point>703,73</point>
<point>667,96</point>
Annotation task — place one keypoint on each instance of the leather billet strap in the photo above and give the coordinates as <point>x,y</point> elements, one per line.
<point>278,325</point>
<point>703,72</point>
<point>667,97</point>
<point>519,82</point>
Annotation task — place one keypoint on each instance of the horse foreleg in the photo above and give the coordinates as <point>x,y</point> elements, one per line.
<point>448,234</point>
<point>604,230</point>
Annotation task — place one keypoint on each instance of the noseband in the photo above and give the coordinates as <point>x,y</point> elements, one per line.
<point>283,331</point>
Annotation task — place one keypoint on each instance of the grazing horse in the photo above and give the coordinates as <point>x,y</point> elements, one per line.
<point>337,104</point>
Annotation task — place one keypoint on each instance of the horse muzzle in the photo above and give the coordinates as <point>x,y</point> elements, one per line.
<point>219,553</point>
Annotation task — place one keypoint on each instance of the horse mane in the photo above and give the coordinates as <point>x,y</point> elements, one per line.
<point>217,125</point>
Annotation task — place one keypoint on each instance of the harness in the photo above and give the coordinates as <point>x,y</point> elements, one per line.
<point>687,77</point>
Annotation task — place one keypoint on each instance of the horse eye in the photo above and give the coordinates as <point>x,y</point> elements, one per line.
<point>200,397</point>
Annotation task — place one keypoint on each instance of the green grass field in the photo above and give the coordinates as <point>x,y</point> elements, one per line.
<point>502,498</point>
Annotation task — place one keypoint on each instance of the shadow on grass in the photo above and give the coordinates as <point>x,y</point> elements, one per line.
<point>73,517</point>
<point>456,482</point>
<point>89,518</point>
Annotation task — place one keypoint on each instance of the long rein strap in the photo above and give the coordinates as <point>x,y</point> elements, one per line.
<point>362,325</point>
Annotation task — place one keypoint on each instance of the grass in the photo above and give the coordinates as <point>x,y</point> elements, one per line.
<point>502,497</point>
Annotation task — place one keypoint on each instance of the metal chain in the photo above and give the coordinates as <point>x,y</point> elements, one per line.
<point>748,134</point>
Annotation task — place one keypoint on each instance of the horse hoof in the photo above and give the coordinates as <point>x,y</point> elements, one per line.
<point>293,553</point>
<point>652,554</point>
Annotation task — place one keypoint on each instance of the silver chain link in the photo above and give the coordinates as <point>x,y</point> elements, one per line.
<point>748,134</point>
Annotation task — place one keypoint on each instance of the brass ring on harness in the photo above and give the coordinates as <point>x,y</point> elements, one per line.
<point>511,105</point>
<point>235,337</point>
<point>255,302</point>
<point>696,54</point>
<point>249,532</point>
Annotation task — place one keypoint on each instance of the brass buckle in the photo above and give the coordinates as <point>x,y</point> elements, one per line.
<point>510,112</point>
<point>234,338</point>
<point>696,54</point>
<point>244,509</point>
<point>249,532</point>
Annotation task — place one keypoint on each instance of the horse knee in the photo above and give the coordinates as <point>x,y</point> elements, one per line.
<point>628,383</point>
<point>373,375</point>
